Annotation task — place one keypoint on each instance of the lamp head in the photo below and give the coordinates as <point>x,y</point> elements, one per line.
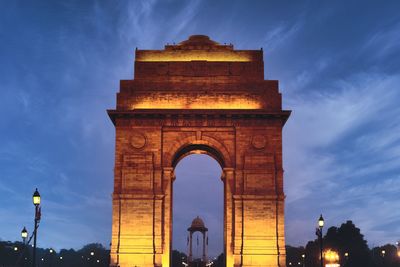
<point>321,221</point>
<point>36,198</point>
<point>24,233</point>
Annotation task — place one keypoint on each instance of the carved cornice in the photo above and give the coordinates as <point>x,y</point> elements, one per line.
<point>198,117</point>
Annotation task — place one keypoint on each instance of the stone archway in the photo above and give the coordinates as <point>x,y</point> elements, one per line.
<point>198,96</point>
<point>211,147</point>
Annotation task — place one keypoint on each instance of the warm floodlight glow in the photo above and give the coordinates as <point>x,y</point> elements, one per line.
<point>36,198</point>
<point>331,256</point>
<point>216,56</point>
<point>201,102</point>
<point>321,221</point>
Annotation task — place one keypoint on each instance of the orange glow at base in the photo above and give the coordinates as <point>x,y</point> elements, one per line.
<point>332,258</point>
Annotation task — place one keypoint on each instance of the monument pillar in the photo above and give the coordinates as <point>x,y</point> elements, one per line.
<point>228,179</point>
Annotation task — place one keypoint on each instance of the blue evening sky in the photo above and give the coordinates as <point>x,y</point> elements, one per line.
<point>338,63</point>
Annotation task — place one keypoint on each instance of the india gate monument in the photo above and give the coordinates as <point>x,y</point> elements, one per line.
<point>198,96</point>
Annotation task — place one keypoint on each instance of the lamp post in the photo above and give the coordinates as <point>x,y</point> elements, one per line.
<point>303,257</point>
<point>319,234</point>
<point>24,235</point>
<point>51,257</point>
<point>346,258</point>
<point>36,202</point>
<point>91,258</point>
<point>398,248</point>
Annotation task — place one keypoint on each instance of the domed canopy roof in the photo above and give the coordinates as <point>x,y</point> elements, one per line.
<point>197,225</point>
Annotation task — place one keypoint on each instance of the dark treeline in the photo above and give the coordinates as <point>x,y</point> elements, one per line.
<point>346,240</point>
<point>351,247</point>
<point>16,254</point>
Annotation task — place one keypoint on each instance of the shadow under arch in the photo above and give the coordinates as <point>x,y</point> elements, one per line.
<point>191,145</point>
<point>198,149</point>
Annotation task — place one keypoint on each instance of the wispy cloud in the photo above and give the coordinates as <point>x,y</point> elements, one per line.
<point>331,148</point>
<point>62,71</point>
<point>139,26</point>
<point>279,34</point>
<point>384,41</point>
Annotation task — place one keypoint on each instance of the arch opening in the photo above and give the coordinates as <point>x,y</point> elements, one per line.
<point>197,191</point>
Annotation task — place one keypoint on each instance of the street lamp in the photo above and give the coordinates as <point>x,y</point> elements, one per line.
<point>319,234</point>
<point>24,235</point>
<point>346,258</point>
<point>51,256</point>
<point>36,198</point>
<point>398,248</point>
<point>303,256</point>
<point>36,202</point>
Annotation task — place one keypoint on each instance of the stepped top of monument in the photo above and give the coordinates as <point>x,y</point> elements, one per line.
<point>199,42</point>
<point>199,48</point>
<point>198,74</point>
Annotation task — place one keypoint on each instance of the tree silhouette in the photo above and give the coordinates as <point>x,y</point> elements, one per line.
<point>346,240</point>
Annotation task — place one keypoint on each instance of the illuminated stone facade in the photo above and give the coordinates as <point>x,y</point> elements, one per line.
<point>198,97</point>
